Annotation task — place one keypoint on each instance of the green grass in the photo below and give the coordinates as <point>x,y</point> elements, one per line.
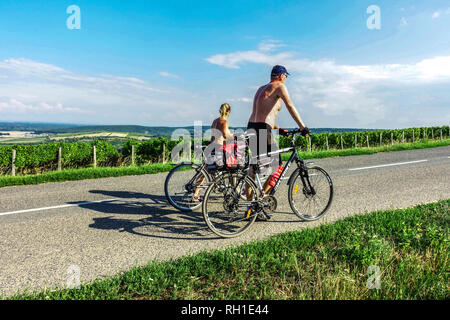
<point>81,174</point>
<point>318,154</point>
<point>94,173</point>
<point>410,248</point>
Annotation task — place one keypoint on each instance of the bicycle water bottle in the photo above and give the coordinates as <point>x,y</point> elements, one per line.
<point>274,178</point>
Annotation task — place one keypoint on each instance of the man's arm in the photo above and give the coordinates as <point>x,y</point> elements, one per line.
<point>290,106</point>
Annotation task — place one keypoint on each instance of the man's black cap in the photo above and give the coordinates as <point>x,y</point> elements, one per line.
<point>278,71</point>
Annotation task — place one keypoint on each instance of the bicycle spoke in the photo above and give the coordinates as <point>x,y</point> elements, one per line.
<point>310,206</point>
<point>226,213</point>
<point>184,183</point>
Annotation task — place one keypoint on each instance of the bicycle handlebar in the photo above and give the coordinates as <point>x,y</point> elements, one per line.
<point>286,132</point>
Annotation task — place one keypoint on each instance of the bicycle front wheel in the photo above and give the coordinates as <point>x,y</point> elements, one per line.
<point>227,213</point>
<point>310,193</point>
<point>185,186</point>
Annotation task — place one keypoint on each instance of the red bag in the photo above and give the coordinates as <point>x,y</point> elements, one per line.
<point>230,154</point>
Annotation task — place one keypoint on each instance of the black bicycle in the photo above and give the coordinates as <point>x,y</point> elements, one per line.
<point>228,214</point>
<point>186,183</point>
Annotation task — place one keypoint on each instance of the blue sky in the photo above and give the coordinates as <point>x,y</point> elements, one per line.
<point>174,62</point>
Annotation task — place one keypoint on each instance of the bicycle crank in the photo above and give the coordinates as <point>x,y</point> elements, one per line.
<point>269,204</point>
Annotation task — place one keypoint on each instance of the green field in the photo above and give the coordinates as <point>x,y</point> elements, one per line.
<point>104,172</point>
<point>394,254</point>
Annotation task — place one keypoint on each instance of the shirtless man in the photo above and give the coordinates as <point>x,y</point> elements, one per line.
<point>266,106</point>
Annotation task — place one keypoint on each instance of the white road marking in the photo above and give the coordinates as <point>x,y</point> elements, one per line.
<point>56,207</point>
<point>388,165</point>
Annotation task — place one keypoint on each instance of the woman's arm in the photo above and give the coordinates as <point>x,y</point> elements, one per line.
<point>226,132</point>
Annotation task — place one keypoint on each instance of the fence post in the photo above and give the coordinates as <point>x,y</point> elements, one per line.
<point>327,142</point>
<point>342,144</point>
<point>95,156</point>
<point>403,136</point>
<point>356,141</point>
<point>13,168</point>
<point>381,138</point>
<point>189,147</point>
<point>59,159</point>
<point>367,137</point>
<point>424,134</point>
<point>432,134</point>
<point>310,146</point>
<point>164,152</point>
<point>413,136</point>
<point>132,154</point>
<point>441,134</point>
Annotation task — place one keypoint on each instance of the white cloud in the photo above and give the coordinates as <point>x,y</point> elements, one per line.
<point>15,106</point>
<point>168,75</point>
<point>36,91</point>
<point>403,21</point>
<point>440,13</point>
<point>233,60</point>
<point>363,91</point>
<point>242,99</point>
<point>24,67</point>
<point>270,45</point>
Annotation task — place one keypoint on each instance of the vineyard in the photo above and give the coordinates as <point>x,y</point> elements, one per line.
<point>32,159</point>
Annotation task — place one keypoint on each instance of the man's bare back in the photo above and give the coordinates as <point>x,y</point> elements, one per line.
<point>267,103</point>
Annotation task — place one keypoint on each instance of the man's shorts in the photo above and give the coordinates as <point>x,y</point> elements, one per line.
<point>265,142</point>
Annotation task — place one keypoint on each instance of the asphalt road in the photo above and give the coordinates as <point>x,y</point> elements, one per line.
<point>105,226</point>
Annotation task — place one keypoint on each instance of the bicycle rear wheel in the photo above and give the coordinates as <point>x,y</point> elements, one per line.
<point>225,211</point>
<point>311,196</point>
<point>181,184</point>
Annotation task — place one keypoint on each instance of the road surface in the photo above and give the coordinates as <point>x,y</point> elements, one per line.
<point>105,226</point>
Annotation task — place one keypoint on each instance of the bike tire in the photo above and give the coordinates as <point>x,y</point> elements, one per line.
<point>216,211</point>
<point>178,194</point>
<point>303,201</point>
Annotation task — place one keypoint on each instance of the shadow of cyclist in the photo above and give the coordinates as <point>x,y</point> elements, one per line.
<point>159,220</point>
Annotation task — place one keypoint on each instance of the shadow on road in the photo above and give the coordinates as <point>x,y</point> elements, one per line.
<point>160,219</point>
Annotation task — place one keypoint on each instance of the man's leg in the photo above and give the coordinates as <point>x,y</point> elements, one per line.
<point>274,164</point>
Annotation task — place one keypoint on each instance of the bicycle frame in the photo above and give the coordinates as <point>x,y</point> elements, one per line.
<point>293,158</point>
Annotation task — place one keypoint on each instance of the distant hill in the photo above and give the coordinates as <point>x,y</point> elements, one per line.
<point>31,126</point>
<point>54,128</point>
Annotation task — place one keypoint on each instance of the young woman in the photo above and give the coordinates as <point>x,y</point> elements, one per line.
<point>221,124</point>
<point>223,133</point>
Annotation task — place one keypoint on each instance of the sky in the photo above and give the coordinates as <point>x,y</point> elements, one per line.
<point>171,63</point>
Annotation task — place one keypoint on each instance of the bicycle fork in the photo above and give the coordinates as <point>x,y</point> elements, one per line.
<point>308,189</point>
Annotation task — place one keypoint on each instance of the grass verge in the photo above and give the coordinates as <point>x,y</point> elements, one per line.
<point>409,248</point>
<point>104,172</point>
<point>81,174</point>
